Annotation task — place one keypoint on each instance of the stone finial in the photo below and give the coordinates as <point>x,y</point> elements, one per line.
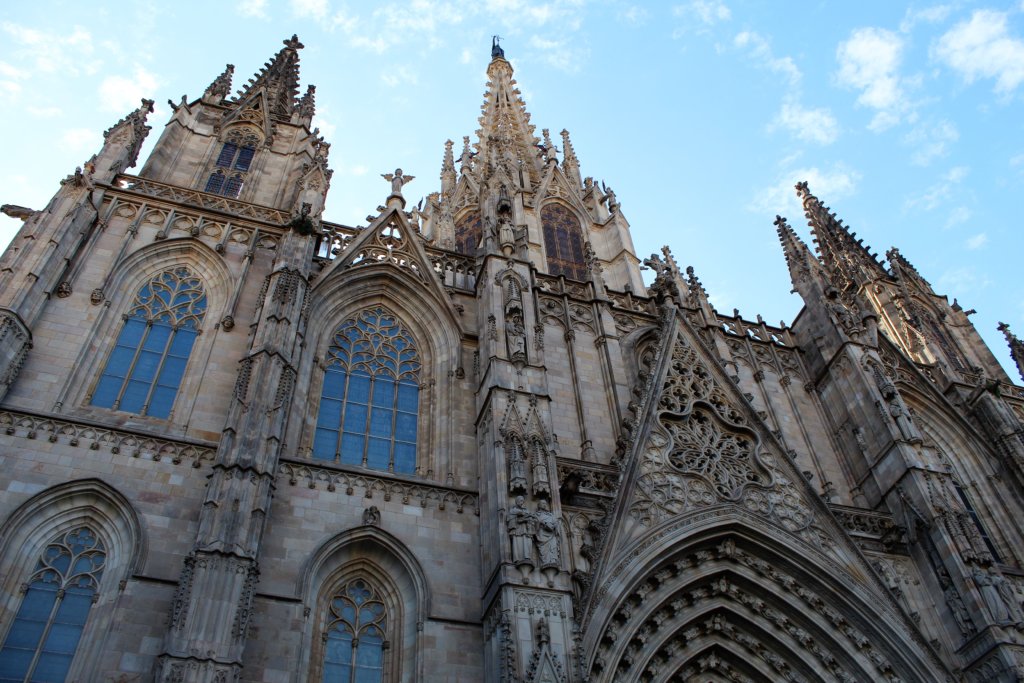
<point>1016,347</point>
<point>496,51</point>
<point>398,180</point>
<point>220,88</point>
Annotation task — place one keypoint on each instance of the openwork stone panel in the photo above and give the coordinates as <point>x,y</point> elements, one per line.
<point>701,453</point>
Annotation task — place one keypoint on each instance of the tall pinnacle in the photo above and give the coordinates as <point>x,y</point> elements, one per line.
<point>217,91</point>
<point>448,169</point>
<point>802,263</point>
<point>570,164</point>
<point>842,255</point>
<point>279,79</point>
<point>505,137</point>
<point>1016,347</point>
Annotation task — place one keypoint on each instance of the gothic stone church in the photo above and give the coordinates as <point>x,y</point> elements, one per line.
<point>466,442</point>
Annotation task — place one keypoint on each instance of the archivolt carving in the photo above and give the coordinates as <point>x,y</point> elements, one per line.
<point>667,619</point>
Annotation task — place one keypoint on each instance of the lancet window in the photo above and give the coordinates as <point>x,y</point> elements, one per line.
<point>144,371</point>
<point>370,398</point>
<point>58,595</point>
<point>356,635</point>
<point>563,242</point>
<point>232,164</point>
<point>965,499</point>
<point>468,231</point>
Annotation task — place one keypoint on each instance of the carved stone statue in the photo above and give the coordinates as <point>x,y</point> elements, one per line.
<point>515,333</point>
<point>546,536</point>
<point>397,180</point>
<point>516,466</point>
<point>999,608</point>
<point>520,530</point>
<point>371,516</point>
<point>539,458</point>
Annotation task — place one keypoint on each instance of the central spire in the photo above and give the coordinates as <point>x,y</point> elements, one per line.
<point>505,139</point>
<point>279,79</point>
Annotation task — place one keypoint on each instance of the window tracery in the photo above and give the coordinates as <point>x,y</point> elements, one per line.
<point>145,368</point>
<point>233,163</point>
<point>563,242</point>
<point>468,232</point>
<point>356,635</point>
<point>369,403</point>
<point>58,595</point>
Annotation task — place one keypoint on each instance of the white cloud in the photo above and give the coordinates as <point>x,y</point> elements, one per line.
<point>634,14</point>
<point>708,12</point>
<point>310,9</point>
<point>928,15</point>
<point>977,241</point>
<point>828,185</point>
<point>962,281</point>
<point>761,50</point>
<point>252,8</point>
<point>401,75</point>
<point>960,214</point>
<point>81,139</point>
<point>809,125</point>
<point>982,48</point>
<point>562,54</point>
<point>69,54</point>
<point>44,112</point>
<point>931,141</point>
<point>358,170</point>
<point>121,94</point>
<point>869,61</point>
<point>940,191</point>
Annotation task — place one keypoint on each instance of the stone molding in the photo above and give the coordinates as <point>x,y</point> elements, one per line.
<point>29,426</point>
<point>334,479</point>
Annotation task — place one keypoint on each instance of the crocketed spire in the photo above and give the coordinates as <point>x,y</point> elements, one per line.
<point>278,79</point>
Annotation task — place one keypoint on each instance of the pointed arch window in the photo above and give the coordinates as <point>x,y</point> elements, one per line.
<point>563,242</point>
<point>144,371</point>
<point>370,398</point>
<point>356,637</point>
<point>468,232</point>
<point>58,595</point>
<point>233,163</point>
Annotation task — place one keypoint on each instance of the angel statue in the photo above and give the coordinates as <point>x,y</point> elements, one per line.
<point>397,180</point>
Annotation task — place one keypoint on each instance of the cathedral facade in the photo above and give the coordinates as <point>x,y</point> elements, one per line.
<point>466,442</point>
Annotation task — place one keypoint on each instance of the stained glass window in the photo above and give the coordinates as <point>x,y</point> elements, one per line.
<point>370,398</point>
<point>563,242</point>
<point>468,232</point>
<point>145,368</point>
<point>236,155</point>
<point>355,639</point>
<point>44,636</point>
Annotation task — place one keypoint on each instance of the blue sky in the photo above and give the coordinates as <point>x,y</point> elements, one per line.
<point>905,118</point>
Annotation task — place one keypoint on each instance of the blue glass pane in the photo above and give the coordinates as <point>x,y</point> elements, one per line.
<point>162,401</point>
<point>156,340</point>
<point>334,383</point>
<point>330,414</point>
<point>405,458</point>
<point>245,156</point>
<point>380,422</point>
<point>181,346</point>
<point>233,187</point>
<point>51,668</point>
<point>131,333</point>
<point>405,427</point>
<point>25,634</point>
<point>38,602</point>
<point>62,638</point>
<point>120,361</point>
<point>359,388</point>
<point>14,664</point>
<point>134,397</point>
<point>383,392</point>
<point>215,183</point>
<point>339,647</point>
<point>355,418</point>
<point>324,444</point>
<point>106,392</point>
<point>227,154</point>
<point>171,372</point>
<point>335,673</point>
<point>146,366</point>
<point>378,454</point>
<point>408,397</point>
<point>352,449</point>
